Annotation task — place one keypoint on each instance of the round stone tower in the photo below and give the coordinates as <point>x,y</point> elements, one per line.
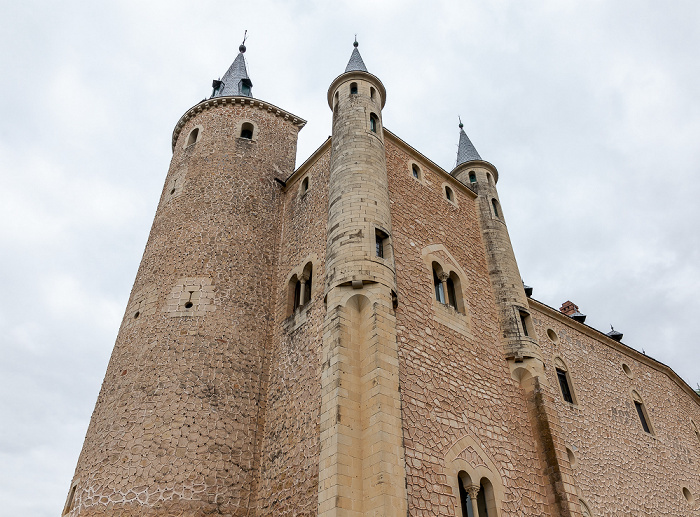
<point>175,430</point>
<point>362,470</point>
<point>518,332</point>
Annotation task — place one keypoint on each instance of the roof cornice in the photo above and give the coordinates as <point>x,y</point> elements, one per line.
<point>356,74</point>
<point>477,163</point>
<point>222,101</point>
<point>617,346</point>
<point>434,166</point>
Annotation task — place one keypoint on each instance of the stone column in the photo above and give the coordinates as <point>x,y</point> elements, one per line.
<point>473,491</point>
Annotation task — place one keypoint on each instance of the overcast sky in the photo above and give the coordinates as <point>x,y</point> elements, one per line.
<point>590,111</point>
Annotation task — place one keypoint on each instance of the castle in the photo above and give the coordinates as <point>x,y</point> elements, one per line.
<point>353,338</point>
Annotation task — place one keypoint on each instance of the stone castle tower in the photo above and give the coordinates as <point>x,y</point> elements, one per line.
<point>353,338</point>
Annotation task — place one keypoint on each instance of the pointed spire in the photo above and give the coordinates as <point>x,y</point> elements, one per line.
<point>466,152</point>
<point>235,81</point>
<point>355,63</point>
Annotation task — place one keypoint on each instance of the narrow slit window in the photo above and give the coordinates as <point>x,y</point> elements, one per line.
<point>640,411</point>
<point>305,185</point>
<point>464,499</point>
<point>416,172</point>
<point>297,295</point>
<point>247,131</point>
<point>380,242</point>
<point>564,384</point>
<point>373,122</point>
<point>523,321</point>
<point>307,288</point>
<point>371,93</point>
<point>451,293</point>
<point>472,177</point>
<point>449,194</point>
<point>71,501</point>
<point>353,88</point>
<point>439,290</point>
<point>494,203</point>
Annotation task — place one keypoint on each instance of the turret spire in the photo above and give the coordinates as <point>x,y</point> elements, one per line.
<point>466,152</point>
<point>235,81</point>
<point>355,63</point>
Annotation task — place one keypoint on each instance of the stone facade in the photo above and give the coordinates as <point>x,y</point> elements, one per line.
<point>352,338</point>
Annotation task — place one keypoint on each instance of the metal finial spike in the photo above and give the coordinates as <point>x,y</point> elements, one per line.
<point>356,44</point>
<point>241,49</point>
<point>460,122</point>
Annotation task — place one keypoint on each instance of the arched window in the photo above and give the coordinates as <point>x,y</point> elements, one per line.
<point>247,130</point>
<point>449,194</point>
<point>371,93</point>
<point>192,138</point>
<point>476,499</point>
<point>336,99</point>
<point>373,122</point>
<point>489,178</point>
<point>496,212</point>
<point>448,288</point>
<point>437,282</point>
<point>305,185</point>
<point>353,88</point>
<point>300,287</point>
<point>472,177</point>
<point>416,171</point>
<point>642,413</point>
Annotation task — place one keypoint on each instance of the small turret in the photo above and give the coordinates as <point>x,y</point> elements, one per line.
<point>235,81</point>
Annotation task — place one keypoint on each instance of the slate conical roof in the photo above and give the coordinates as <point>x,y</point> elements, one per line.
<point>235,81</point>
<point>355,63</point>
<point>467,151</point>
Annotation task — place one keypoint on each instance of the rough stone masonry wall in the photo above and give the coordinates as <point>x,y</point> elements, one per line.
<point>618,468</point>
<point>291,440</point>
<point>457,393</point>
<point>175,427</point>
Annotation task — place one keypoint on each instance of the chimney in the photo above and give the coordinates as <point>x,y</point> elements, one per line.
<point>571,309</point>
<point>568,308</point>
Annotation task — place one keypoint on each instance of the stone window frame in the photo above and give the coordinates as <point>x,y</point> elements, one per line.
<point>296,316</point>
<point>304,185</point>
<point>446,185</point>
<point>239,128</point>
<point>421,175</point>
<point>585,508</point>
<point>637,398</point>
<point>200,131</point>
<point>455,466</point>
<point>560,364</point>
<point>460,322</point>
<point>70,498</point>
<point>496,210</point>
<point>388,240</point>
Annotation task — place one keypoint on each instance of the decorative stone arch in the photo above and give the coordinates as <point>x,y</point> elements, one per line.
<point>239,129</point>
<point>560,365</point>
<point>585,509</point>
<point>468,460</point>
<point>450,268</point>
<point>193,136</point>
